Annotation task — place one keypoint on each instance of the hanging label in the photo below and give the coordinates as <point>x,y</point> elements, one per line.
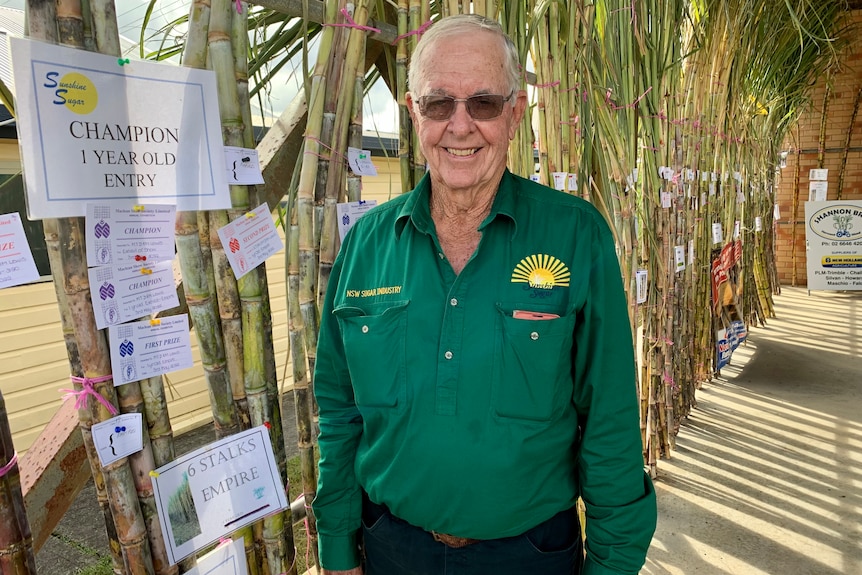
<point>243,166</point>
<point>349,212</point>
<point>679,257</point>
<point>249,240</point>
<point>128,292</point>
<point>535,178</point>
<point>740,197</point>
<point>717,235</point>
<point>758,224</point>
<point>776,213</point>
<point>641,281</point>
<point>737,227</point>
<point>712,188</point>
<point>560,180</point>
<point>573,182</point>
<point>118,437</point>
<point>360,162</point>
<point>818,174</point>
<point>17,265</point>
<point>817,191</point>
<point>666,200</point>
<point>120,233</point>
<point>690,252</point>
<point>144,349</point>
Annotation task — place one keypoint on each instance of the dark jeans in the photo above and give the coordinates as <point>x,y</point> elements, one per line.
<point>394,547</point>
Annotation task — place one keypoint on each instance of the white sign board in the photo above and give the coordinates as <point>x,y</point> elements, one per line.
<point>91,130</point>
<point>833,232</point>
<point>217,489</point>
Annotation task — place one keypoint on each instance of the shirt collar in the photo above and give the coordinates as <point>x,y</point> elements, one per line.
<point>417,208</point>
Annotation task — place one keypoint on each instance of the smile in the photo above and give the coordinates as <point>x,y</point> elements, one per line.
<point>462,152</point>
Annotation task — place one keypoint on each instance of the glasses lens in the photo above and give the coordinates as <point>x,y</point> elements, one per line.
<point>436,107</point>
<point>485,106</point>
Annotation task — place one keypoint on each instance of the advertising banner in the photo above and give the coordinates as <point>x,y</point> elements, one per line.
<point>833,232</point>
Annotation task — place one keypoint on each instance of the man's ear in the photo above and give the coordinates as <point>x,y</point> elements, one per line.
<point>408,98</point>
<point>518,112</point>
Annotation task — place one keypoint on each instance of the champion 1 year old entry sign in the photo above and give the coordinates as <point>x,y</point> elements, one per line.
<point>94,128</point>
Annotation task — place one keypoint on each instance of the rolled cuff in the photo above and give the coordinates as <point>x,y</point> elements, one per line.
<point>338,553</point>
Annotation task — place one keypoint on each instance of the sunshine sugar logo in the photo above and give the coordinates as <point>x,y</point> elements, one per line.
<point>73,90</point>
<point>541,272</point>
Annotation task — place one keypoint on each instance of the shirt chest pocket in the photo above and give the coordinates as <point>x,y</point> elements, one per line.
<point>375,345</point>
<point>533,366</point>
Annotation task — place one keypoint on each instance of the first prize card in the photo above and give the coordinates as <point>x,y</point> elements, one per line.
<point>217,489</point>
<point>122,233</point>
<point>249,240</point>
<point>16,260</point>
<point>144,349</point>
<point>125,293</point>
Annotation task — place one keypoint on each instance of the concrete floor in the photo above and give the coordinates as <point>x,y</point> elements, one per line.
<point>766,478</point>
<point>767,474</point>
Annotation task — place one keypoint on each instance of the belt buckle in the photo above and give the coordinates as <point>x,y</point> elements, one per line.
<point>452,540</point>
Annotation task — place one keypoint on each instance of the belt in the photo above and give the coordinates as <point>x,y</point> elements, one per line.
<point>376,510</point>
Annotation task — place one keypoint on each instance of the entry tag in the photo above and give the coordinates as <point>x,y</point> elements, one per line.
<point>349,212</point>
<point>817,191</point>
<point>360,162</point>
<point>118,437</point>
<point>641,279</point>
<point>679,257</point>
<point>249,240</point>
<point>16,260</point>
<point>666,200</point>
<point>243,166</point>
<point>758,224</point>
<point>120,232</point>
<point>560,181</point>
<point>573,182</point>
<point>717,235</point>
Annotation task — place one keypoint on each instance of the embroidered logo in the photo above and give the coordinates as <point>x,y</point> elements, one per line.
<point>541,271</point>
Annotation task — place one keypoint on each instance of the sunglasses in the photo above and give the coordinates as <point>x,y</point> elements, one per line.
<point>480,107</point>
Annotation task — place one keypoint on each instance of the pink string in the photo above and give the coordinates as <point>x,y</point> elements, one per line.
<point>548,85</point>
<point>307,528</point>
<point>417,32</point>
<point>613,106</point>
<point>352,24</point>
<point>81,396</point>
<point>239,6</point>
<point>8,467</point>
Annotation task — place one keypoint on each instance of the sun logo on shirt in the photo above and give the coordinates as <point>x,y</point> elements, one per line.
<point>541,271</point>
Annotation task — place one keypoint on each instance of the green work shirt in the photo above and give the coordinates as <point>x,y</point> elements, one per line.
<point>481,404</point>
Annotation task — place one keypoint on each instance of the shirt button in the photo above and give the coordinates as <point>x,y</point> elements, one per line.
<point>453,301</point>
<point>441,255</point>
<point>448,355</point>
<point>364,329</point>
<point>534,336</point>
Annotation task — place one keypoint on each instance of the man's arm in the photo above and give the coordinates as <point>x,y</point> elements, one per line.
<point>338,504</point>
<point>618,494</point>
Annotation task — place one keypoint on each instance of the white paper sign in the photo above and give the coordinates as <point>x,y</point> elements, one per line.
<point>92,130</point>
<point>737,227</point>
<point>740,197</point>
<point>249,240</point>
<point>121,233</point>
<point>243,166</point>
<point>679,257</point>
<point>349,212</point>
<point>717,234</point>
<point>535,178</point>
<point>712,188</point>
<point>703,200</point>
<point>226,559</point>
<point>118,437</point>
<point>776,213</point>
<point>573,182</point>
<point>16,260</point>
<point>217,489</point>
<point>560,181</point>
<point>704,176</point>
<point>818,174</point>
<point>817,191</point>
<point>641,279</point>
<point>360,162</point>
<point>144,349</point>
<point>666,200</point>
<point>689,175</point>
<point>125,293</point>
<point>758,224</point>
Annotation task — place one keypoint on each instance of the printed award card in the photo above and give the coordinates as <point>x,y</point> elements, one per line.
<point>217,489</point>
<point>118,437</point>
<point>249,240</point>
<point>124,293</point>
<point>16,260</point>
<point>226,559</point>
<point>122,233</point>
<point>144,349</point>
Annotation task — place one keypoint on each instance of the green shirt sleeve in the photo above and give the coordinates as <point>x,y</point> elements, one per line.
<point>338,503</point>
<point>618,494</point>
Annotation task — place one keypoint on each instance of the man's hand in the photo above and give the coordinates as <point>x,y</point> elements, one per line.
<point>354,571</point>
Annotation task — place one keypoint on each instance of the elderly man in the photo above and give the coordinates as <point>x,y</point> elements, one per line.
<point>475,373</point>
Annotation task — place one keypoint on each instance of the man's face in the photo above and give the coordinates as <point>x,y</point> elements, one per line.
<point>465,155</point>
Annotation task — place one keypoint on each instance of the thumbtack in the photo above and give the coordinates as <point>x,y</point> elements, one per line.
<point>140,258</point>
<point>146,271</point>
<point>250,215</point>
<point>137,208</point>
<point>155,322</point>
<point>246,159</point>
<point>154,473</point>
<point>267,424</point>
<point>122,61</point>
